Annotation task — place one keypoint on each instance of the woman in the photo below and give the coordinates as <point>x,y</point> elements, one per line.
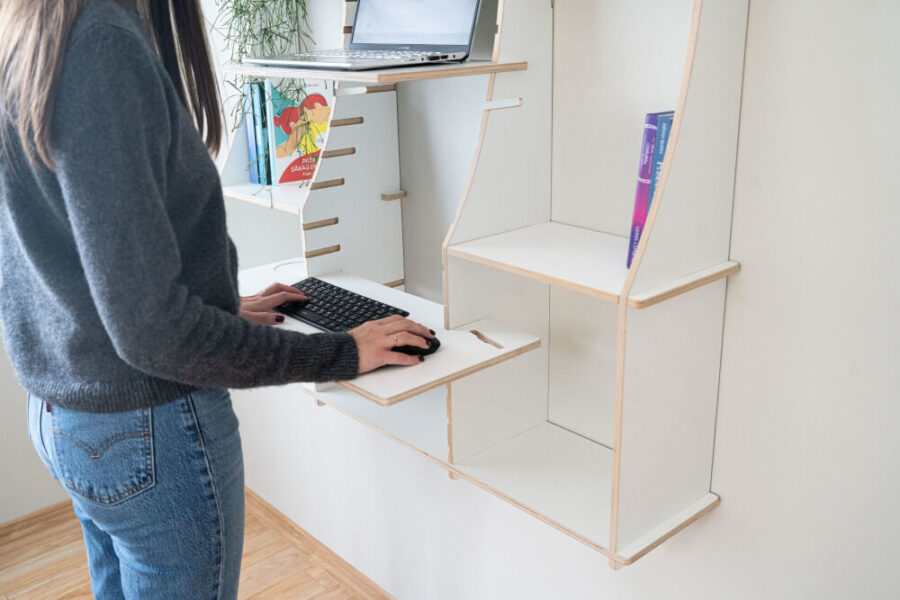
<point>119,304</point>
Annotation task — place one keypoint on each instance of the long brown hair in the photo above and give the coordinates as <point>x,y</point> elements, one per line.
<point>33,39</point>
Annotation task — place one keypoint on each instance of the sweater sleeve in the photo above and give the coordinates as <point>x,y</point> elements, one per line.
<point>113,123</point>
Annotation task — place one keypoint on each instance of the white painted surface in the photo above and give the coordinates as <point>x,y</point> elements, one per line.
<point>25,483</point>
<point>581,259</point>
<point>694,212</point>
<point>582,392</point>
<point>614,62</point>
<point>553,471</point>
<point>505,400</point>
<point>671,361</point>
<point>420,421</point>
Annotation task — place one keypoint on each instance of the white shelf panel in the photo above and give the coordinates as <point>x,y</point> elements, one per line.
<point>587,261</point>
<point>552,472</point>
<point>461,353</point>
<point>287,198</point>
<point>397,75</point>
<point>420,422</point>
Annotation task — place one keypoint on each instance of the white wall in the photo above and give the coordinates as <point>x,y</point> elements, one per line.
<point>807,441</point>
<point>25,484</point>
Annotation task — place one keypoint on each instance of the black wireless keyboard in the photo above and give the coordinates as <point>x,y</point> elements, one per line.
<point>332,308</point>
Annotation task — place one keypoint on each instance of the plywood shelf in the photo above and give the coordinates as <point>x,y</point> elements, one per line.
<point>398,75</point>
<point>554,473</point>
<point>583,260</point>
<point>284,198</point>
<point>420,422</point>
<point>464,350</point>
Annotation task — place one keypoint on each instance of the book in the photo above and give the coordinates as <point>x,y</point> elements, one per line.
<point>642,193</point>
<point>296,133</point>
<point>250,126</point>
<point>260,133</point>
<point>663,127</point>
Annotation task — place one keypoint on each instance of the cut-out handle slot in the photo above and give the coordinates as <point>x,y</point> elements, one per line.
<point>485,339</point>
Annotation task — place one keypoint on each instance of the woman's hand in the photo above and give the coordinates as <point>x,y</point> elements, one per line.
<point>257,308</point>
<point>375,339</point>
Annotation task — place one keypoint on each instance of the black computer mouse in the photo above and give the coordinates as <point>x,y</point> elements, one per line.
<point>433,345</point>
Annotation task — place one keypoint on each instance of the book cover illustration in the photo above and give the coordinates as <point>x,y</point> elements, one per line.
<point>296,133</point>
<point>663,127</point>
<point>642,193</point>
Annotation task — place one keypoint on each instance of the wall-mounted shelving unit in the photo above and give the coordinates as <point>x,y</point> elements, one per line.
<point>579,390</point>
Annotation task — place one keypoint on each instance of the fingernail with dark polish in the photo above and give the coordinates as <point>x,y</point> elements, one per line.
<point>421,358</point>
<point>432,331</point>
<point>279,319</point>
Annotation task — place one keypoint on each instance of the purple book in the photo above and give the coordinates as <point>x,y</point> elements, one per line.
<point>642,194</point>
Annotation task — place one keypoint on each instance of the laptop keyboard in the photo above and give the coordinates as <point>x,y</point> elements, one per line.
<point>365,54</point>
<point>333,308</point>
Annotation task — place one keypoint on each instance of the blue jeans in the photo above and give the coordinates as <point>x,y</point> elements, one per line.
<point>159,493</point>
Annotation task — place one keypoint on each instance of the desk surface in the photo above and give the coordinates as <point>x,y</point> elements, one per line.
<point>462,352</point>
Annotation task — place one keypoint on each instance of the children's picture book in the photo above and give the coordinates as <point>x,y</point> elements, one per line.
<point>663,127</point>
<point>296,133</point>
<point>650,150</point>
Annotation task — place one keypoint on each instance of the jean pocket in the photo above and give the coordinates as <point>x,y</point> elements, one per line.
<point>105,458</point>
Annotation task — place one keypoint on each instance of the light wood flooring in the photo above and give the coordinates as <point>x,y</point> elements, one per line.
<point>42,556</point>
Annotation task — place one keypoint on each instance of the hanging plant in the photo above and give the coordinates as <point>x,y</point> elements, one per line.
<point>262,28</point>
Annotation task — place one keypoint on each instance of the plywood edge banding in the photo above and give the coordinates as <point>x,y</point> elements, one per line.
<point>440,381</point>
<point>346,122</point>
<point>463,70</point>
<point>609,297</point>
<point>395,283</point>
<point>687,284</point>
<point>321,185</point>
<point>365,89</point>
<point>323,251</point>
<point>320,224</point>
<point>338,152</point>
<point>629,555</point>
<point>393,195</point>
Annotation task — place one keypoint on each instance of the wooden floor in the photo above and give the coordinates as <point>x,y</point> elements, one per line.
<point>42,556</point>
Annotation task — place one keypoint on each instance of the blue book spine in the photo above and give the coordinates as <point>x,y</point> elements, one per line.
<point>269,113</point>
<point>250,127</point>
<point>664,126</point>
<point>259,119</point>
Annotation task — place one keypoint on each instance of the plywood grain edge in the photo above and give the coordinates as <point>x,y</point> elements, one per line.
<point>542,277</point>
<point>441,380</point>
<point>691,282</point>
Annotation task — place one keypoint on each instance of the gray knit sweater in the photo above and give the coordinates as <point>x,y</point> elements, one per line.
<point>118,281</point>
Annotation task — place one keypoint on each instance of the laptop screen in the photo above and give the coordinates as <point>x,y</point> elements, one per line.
<point>414,23</point>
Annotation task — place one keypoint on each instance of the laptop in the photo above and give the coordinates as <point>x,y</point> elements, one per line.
<point>396,33</point>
